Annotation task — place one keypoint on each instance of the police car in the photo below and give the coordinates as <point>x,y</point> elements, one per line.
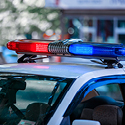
<point>62,93</point>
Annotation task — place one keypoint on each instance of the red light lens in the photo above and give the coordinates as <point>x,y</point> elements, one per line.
<point>33,47</point>
<point>12,45</point>
<point>30,46</point>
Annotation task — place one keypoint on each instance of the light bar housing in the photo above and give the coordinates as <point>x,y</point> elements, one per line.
<point>69,47</point>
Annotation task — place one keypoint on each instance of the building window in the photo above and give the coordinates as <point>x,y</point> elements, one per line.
<point>105,30</point>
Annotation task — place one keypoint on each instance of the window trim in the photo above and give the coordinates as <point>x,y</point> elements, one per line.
<point>89,86</point>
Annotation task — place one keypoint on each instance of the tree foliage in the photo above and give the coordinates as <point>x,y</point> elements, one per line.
<point>18,17</point>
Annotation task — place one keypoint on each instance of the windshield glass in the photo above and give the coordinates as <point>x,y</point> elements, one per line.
<point>29,96</point>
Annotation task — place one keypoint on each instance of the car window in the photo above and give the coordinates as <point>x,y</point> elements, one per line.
<point>38,91</point>
<point>22,95</point>
<point>111,90</point>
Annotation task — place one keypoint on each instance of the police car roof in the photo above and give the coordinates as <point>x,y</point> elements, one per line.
<point>109,54</point>
<point>52,69</point>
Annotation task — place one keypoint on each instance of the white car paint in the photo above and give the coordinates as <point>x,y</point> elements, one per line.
<point>75,87</point>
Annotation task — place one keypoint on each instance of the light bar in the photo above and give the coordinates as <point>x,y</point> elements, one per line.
<point>70,47</point>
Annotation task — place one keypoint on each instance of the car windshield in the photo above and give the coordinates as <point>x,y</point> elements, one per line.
<point>27,96</point>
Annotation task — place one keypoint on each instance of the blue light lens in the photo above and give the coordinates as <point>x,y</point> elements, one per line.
<point>120,51</point>
<point>81,49</point>
<point>91,50</point>
<point>96,50</point>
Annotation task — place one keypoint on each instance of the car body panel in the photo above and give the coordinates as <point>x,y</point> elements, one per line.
<point>76,86</point>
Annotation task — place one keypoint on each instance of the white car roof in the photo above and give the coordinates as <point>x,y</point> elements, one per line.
<point>52,69</point>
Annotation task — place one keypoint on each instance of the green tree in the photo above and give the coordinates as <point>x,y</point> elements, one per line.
<point>21,17</point>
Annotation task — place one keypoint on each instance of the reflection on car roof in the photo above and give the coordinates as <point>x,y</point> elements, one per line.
<point>51,69</point>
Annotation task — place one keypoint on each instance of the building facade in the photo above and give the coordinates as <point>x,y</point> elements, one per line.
<point>92,20</point>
